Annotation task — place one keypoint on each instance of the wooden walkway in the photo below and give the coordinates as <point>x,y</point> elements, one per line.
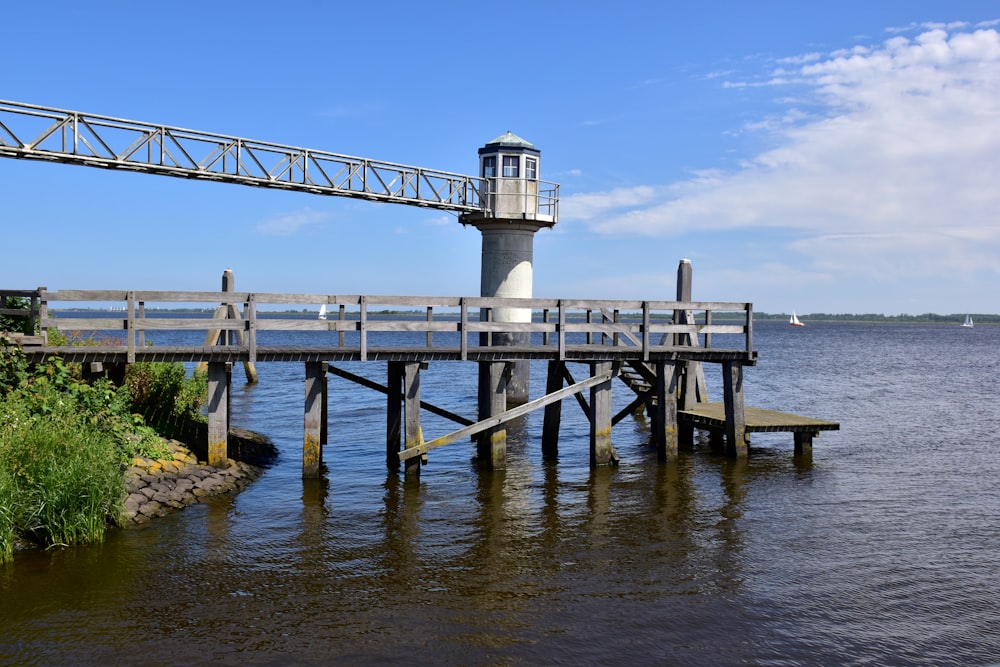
<point>658,348</point>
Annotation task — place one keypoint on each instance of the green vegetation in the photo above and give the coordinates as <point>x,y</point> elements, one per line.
<point>65,443</point>
<point>14,323</point>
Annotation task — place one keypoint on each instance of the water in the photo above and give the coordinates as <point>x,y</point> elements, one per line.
<point>882,549</point>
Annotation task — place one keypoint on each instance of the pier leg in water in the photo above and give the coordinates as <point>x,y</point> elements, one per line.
<point>804,443</point>
<point>666,436</point>
<point>553,412</point>
<point>219,374</point>
<point>492,443</point>
<point>411,413</point>
<point>393,414</point>
<point>736,424</point>
<point>601,451</point>
<point>312,451</point>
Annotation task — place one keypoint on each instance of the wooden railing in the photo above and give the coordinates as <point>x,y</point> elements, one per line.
<point>31,313</point>
<point>558,328</point>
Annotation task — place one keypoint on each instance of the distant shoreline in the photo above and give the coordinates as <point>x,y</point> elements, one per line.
<point>871,318</point>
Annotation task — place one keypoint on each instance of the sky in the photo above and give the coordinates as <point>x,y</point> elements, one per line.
<point>839,157</point>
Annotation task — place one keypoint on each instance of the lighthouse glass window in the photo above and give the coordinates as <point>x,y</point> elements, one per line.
<point>510,166</point>
<point>530,168</point>
<point>490,166</point>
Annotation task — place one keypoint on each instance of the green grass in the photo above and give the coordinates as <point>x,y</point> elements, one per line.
<point>65,444</point>
<point>64,482</point>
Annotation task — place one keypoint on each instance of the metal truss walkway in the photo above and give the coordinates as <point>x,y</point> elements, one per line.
<point>42,133</point>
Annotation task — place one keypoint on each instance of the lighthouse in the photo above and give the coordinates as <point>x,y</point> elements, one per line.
<point>517,205</point>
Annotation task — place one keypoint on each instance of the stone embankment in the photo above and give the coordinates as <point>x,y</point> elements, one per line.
<point>157,487</point>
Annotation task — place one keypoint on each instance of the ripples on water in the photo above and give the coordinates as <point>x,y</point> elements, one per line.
<point>880,550</point>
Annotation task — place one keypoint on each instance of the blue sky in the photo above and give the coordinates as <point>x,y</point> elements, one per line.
<point>837,157</point>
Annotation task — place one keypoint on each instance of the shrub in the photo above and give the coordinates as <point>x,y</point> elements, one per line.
<point>13,368</point>
<point>16,323</point>
<point>164,395</point>
<point>64,443</point>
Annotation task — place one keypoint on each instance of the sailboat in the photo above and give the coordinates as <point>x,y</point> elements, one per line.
<point>322,311</point>
<point>794,321</point>
<point>968,322</point>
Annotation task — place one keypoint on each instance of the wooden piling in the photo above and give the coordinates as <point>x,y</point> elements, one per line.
<point>732,388</point>
<point>312,450</point>
<point>601,450</point>
<point>393,414</point>
<point>219,377</point>
<point>411,413</point>
<point>553,412</point>
<point>665,416</point>
<point>324,418</point>
<point>491,444</point>
<point>803,443</point>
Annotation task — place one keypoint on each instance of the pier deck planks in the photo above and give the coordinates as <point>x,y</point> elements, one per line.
<point>758,420</point>
<point>712,417</point>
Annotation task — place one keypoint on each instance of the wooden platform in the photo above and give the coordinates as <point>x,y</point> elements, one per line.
<point>712,417</point>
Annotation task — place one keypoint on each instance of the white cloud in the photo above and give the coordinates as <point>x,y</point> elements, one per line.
<point>291,223</point>
<point>893,169</point>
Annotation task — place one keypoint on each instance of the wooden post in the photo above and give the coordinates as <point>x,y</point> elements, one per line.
<point>803,442</point>
<point>692,373</point>
<point>324,431</point>
<point>685,437</point>
<point>229,311</point>
<point>411,413</point>
<point>393,414</point>
<point>492,443</point>
<point>601,451</point>
<point>218,413</point>
<point>312,450</point>
<point>43,314</point>
<point>665,419</point>
<point>736,436</point>
<point>553,412</point>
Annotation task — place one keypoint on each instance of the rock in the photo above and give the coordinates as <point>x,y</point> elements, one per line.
<point>150,509</point>
<point>156,488</point>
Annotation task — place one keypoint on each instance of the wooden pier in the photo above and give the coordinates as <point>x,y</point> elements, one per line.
<point>658,349</point>
<point>712,417</point>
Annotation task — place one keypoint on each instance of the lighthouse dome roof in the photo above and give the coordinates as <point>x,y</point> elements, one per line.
<point>510,139</point>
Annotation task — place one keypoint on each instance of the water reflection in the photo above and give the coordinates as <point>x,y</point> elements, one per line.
<point>779,560</point>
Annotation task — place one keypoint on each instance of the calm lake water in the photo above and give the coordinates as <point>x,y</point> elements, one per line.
<point>883,548</point>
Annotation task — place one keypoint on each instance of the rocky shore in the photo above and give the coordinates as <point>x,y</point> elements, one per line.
<point>157,487</point>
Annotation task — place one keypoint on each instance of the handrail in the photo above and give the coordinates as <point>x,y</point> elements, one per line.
<point>645,327</point>
<point>537,199</point>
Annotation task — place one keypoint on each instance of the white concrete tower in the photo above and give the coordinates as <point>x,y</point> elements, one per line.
<point>518,204</point>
